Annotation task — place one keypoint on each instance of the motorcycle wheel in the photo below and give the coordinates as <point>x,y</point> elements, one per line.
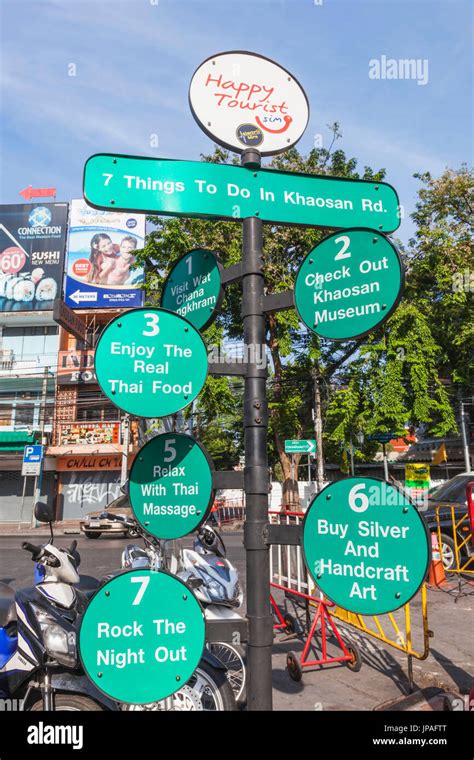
<point>69,703</point>
<point>207,690</point>
<point>233,657</point>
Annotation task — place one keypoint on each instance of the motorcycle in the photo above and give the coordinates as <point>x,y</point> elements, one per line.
<point>213,578</point>
<point>39,664</point>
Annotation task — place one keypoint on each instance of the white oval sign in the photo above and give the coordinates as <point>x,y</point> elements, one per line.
<point>243,100</point>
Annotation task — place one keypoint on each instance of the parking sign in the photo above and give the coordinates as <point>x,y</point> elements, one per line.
<point>32,459</point>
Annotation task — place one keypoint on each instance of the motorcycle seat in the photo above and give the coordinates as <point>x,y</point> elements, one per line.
<point>87,584</point>
<point>7,605</point>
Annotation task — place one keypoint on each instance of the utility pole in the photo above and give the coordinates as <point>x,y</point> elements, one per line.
<point>465,445</point>
<point>259,612</point>
<point>42,420</point>
<point>385,463</point>
<point>125,444</point>
<point>318,432</point>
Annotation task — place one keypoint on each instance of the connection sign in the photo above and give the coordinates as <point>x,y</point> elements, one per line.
<point>349,284</point>
<point>151,362</point>
<point>171,485</point>
<point>142,636</point>
<point>193,287</point>
<point>365,545</point>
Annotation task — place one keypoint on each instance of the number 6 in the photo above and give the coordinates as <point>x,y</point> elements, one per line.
<point>362,498</point>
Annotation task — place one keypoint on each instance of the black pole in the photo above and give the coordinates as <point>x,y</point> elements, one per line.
<point>259,614</point>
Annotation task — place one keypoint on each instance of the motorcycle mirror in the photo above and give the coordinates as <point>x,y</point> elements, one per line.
<point>44,512</point>
<point>124,488</point>
<point>194,582</point>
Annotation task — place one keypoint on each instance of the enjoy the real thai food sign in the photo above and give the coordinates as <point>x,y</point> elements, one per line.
<point>102,249</point>
<point>243,100</point>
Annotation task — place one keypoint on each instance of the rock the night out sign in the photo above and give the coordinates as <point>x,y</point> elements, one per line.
<point>243,100</point>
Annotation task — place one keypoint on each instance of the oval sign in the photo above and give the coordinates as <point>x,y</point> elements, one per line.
<point>244,100</point>
<point>366,545</point>
<point>193,287</point>
<point>151,362</point>
<point>349,284</point>
<point>142,636</point>
<point>170,485</point>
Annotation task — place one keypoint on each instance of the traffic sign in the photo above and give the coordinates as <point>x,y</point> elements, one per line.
<point>170,485</point>
<point>300,447</point>
<point>349,284</point>
<point>151,362</point>
<point>223,191</point>
<point>381,437</point>
<point>243,100</point>
<point>193,287</point>
<point>365,545</point>
<point>142,636</point>
<point>32,459</point>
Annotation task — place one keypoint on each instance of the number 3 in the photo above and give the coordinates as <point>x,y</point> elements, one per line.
<point>152,324</point>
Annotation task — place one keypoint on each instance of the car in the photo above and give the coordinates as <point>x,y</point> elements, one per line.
<point>94,525</point>
<point>441,499</point>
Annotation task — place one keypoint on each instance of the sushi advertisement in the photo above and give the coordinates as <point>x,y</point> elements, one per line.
<point>101,255</point>
<point>32,244</point>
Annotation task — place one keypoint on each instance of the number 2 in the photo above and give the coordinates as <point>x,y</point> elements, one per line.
<point>152,324</point>
<point>346,241</point>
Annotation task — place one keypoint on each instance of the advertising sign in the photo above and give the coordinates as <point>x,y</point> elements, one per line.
<point>223,191</point>
<point>76,367</point>
<point>89,462</point>
<point>72,433</point>
<point>366,546</point>
<point>151,362</point>
<point>102,250</point>
<point>243,100</point>
<point>193,287</point>
<point>142,636</point>
<point>417,481</point>
<point>349,284</point>
<point>32,244</point>
<point>171,485</point>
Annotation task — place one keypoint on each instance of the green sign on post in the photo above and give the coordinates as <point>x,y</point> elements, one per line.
<point>366,546</point>
<point>300,447</point>
<point>349,284</point>
<point>193,287</point>
<point>224,191</point>
<point>142,636</point>
<point>170,485</point>
<point>151,362</point>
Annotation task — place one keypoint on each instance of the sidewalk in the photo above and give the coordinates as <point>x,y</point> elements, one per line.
<point>63,527</point>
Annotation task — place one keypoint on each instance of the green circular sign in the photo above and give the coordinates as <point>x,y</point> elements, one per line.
<point>170,485</point>
<point>151,362</point>
<point>193,287</point>
<point>349,284</point>
<point>142,636</point>
<point>365,545</point>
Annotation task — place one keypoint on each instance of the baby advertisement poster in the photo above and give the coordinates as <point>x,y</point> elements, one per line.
<point>101,255</point>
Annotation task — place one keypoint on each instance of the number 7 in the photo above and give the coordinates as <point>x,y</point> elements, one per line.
<point>109,177</point>
<point>144,580</point>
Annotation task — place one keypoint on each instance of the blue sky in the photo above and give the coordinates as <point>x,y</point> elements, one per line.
<point>134,60</point>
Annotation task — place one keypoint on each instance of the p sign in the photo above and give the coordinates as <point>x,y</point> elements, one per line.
<point>32,458</point>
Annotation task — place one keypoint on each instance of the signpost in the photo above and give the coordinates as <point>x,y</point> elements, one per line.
<point>300,447</point>
<point>366,546</point>
<point>170,485</point>
<point>151,362</point>
<point>142,636</point>
<point>381,437</point>
<point>349,284</point>
<point>32,460</point>
<point>193,287</point>
<point>223,191</point>
<point>243,100</point>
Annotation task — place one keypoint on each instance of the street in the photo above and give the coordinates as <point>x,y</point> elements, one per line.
<point>383,676</point>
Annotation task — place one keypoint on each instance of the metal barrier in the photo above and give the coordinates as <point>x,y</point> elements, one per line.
<point>230,512</point>
<point>395,629</point>
<point>453,522</point>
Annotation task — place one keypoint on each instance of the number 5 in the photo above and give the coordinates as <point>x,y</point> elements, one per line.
<point>152,324</point>
<point>170,449</point>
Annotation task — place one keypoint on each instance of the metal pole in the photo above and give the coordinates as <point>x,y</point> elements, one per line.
<point>309,471</point>
<point>38,480</point>
<point>352,458</point>
<point>385,463</point>
<point>465,446</point>
<point>318,432</point>
<point>259,612</point>
<point>22,501</point>
<point>126,443</point>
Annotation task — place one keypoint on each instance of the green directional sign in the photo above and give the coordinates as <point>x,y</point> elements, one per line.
<point>142,636</point>
<point>349,284</point>
<point>365,545</point>
<point>224,191</point>
<point>193,287</point>
<point>170,485</point>
<point>151,362</point>
<point>300,447</point>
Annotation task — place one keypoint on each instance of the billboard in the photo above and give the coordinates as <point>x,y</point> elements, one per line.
<point>101,254</point>
<point>32,244</point>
